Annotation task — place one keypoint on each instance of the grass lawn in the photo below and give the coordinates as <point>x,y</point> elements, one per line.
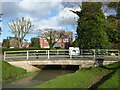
<point>10,72</point>
<point>83,78</point>
<point>113,82</point>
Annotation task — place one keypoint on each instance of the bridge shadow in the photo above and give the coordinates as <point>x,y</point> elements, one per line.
<point>101,81</point>
<point>99,63</point>
<point>106,77</point>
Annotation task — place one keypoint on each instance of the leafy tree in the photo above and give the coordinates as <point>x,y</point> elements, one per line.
<point>76,43</point>
<point>112,29</point>
<point>113,26</point>
<point>20,28</point>
<point>91,26</point>
<point>35,42</point>
<point>6,43</point>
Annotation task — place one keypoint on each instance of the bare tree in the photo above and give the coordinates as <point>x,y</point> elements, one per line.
<point>20,28</point>
<point>52,36</point>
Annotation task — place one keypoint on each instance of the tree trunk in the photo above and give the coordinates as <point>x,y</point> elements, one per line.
<point>19,43</point>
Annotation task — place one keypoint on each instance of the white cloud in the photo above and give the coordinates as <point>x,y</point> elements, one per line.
<point>64,17</point>
<point>35,9</point>
<point>49,14</point>
<point>0,7</point>
<point>67,17</point>
<point>41,9</point>
<point>10,9</point>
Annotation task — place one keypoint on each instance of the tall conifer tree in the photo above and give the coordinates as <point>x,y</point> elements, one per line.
<point>91,26</point>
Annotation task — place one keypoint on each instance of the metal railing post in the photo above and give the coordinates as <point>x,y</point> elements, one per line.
<point>70,55</point>
<point>118,54</point>
<point>4,55</point>
<point>106,52</point>
<point>57,52</point>
<point>48,55</point>
<point>94,54</point>
<point>27,54</point>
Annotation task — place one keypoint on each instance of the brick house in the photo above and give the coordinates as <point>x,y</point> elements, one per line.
<point>64,41</point>
<point>13,42</point>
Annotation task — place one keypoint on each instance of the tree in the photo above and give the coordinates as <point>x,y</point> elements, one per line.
<point>20,28</point>
<point>91,26</point>
<point>112,29</point>
<point>113,25</point>
<point>6,43</point>
<point>52,36</point>
<point>115,5</point>
<point>76,43</point>
<point>35,42</point>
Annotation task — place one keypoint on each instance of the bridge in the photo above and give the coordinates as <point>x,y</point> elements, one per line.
<point>87,58</point>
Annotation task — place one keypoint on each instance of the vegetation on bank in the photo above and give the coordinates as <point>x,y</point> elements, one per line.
<point>95,77</point>
<point>10,72</point>
<point>22,49</point>
<point>19,49</point>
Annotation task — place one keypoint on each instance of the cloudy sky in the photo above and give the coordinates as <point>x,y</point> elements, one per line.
<point>42,14</point>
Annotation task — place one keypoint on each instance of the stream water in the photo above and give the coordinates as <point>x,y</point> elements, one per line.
<point>41,77</point>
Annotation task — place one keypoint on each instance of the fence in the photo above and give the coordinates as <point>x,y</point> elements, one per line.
<point>83,53</point>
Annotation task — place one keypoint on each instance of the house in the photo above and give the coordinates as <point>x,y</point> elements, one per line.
<point>63,42</point>
<point>13,42</point>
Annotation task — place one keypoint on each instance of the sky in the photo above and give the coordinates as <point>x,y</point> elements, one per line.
<point>42,14</point>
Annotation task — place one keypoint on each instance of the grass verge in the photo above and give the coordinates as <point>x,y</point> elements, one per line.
<point>10,73</point>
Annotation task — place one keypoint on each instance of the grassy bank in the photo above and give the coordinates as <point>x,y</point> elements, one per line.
<point>10,72</point>
<point>113,82</point>
<point>84,78</point>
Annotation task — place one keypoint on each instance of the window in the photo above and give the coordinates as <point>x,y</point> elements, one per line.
<point>59,40</point>
<point>66,40</point>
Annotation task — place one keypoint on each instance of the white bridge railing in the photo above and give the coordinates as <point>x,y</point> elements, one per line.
<point>91,53</point>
